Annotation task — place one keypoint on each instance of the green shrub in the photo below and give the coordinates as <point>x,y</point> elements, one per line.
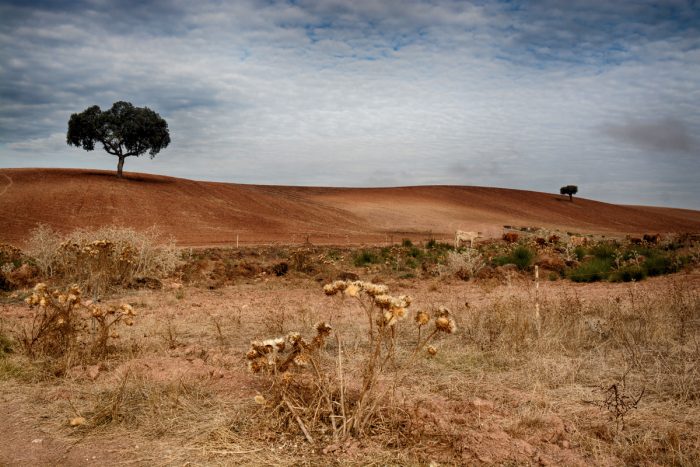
<point>365,257</point>
<point>411,263</point>
<point>639,250</point>
<point>591,271</point>
<point>415,252</point>
<point>658,264</point>
<point>604,251</point>
<point>628,274</point>
<point>580,252</point>
<point>406,243</point>
<point>431,244</point>
<point>522,257</point>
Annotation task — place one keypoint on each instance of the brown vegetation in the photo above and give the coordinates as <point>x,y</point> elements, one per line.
<point>561,373</point>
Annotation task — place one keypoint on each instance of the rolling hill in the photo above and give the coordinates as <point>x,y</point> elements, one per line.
<point>210,213</point>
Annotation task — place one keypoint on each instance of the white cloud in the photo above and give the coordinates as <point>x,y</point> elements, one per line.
<point>323,93</point>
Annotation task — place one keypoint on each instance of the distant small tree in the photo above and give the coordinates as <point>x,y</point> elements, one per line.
<point>123,130</point>
<point>570,190</point>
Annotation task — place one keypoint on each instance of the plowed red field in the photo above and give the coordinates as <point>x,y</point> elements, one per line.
<point>209,213</point>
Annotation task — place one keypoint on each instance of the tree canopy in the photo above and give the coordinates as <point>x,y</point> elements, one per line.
<point>123,131</point>
<point>570,190</point>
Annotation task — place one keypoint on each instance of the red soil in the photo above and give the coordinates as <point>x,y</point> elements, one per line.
<point>209,213</point>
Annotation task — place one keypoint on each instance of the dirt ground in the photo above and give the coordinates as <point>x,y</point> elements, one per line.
<point>483,399</point>
<point>206,213</point>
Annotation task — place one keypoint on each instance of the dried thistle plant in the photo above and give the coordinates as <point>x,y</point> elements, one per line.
<point>310,386</point>
<point>65,324</point>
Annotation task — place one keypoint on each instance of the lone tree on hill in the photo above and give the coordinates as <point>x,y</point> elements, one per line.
<point>570,190</point>
<point>123,130</point>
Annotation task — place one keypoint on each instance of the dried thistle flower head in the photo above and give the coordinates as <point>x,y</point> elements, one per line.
<point>443,311</point>
<point>383,301</point>
<point>270,345</point>
<point>322,328</point>
<point>352,290</point>
<point>445,324</point>
<point>279,343</point>
<point>422,318</point>
<point>294,338</point>
<point>261,347</point>
<point>96,311</point>
<point>259,399</point>
<point>258,365</point>
<point>302,360</point>
<point>374,289</point>
<point>432,351</point>
<point>40,287</point>
<point>77,421</point>
<point>127,309</point>
<point>399,312</point>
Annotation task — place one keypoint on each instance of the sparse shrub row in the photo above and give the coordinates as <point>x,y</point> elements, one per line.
<point>102,259</point>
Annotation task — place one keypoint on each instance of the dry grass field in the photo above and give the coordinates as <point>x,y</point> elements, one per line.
<point>122,345</point>
<point>602,374</point>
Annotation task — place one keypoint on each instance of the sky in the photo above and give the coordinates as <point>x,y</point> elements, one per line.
<point>516,94</point>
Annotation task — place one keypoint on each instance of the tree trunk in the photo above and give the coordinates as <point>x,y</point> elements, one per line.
<point>120,166</point>
<point>571,197</point>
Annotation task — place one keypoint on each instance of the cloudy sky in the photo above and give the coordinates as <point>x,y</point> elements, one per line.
<point>531,94</point>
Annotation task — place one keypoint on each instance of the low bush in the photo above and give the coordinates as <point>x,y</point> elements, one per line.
<point>591,271</point>
<point>522,257</point>
<point>628,273</point>
<point>365,257</point>
<point>579,252</point>
<point>604,251</point>
<point>464,265</point>
<point>658,264</point>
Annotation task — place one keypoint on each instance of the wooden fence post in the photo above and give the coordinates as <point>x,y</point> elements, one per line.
<point>538,320</point>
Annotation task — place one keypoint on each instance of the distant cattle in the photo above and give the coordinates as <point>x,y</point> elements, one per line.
<point>510,237</point>
<point>578,241</point>
<point>553,239</point>
<point>634,240</point>
<point>653,239</point>
<point>539,241</point>
<point>462,236</point>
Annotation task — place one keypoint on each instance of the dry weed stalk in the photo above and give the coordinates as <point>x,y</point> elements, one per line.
<point>310,387</point>
<point>64,325</point>
<point>618,402</point>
